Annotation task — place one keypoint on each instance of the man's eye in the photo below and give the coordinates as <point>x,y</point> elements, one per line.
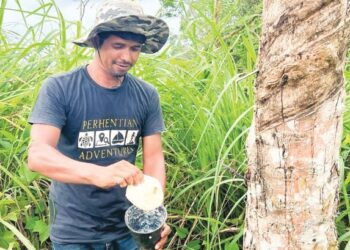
<point>136,48</point>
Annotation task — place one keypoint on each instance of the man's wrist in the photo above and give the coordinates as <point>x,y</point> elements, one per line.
<point>89,173</point>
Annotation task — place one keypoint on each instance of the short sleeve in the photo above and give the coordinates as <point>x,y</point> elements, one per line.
<point>50,105</point>
<point>154,120</point>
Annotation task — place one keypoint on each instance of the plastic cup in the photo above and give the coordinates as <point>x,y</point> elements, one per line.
<point>145,226</point>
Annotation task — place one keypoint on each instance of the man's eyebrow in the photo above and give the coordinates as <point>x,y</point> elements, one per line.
<point>121,43</point>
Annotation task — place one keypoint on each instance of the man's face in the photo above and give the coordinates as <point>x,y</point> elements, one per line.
<point>118,55</point>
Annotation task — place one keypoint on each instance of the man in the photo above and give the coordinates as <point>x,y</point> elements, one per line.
<point>86,129</point>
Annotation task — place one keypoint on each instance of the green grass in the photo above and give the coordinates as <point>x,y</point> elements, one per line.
<point>205,79</point>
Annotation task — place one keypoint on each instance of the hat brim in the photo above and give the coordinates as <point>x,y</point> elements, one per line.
<point>154,29</point>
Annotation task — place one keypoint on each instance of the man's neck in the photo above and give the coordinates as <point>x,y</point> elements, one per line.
<point>102,78</point>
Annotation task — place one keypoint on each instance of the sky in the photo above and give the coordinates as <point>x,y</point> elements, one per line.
<point>70,11</point>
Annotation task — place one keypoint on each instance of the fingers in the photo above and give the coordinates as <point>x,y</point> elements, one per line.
<point>166,231</point>
<point>121,182</point>
<point>128,173</point>
<point>164,236</point>
<point>121,173</point>
<point>133,177</point>
<point>138,177</point>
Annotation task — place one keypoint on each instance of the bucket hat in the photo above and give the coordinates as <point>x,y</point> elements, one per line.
<point>127,16</point>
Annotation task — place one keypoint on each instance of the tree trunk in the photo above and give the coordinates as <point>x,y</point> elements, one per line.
<point>293,145</point>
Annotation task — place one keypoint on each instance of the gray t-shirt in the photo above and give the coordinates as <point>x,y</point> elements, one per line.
<point>100,126</point>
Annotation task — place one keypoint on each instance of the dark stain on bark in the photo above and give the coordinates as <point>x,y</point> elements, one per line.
<point>282,21</point>
<point>284,79</point>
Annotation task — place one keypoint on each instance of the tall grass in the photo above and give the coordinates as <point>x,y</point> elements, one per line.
<point>205,79</point>
<point>26,59</point>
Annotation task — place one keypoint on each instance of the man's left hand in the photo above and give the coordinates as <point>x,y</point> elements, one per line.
<point>164,236</point>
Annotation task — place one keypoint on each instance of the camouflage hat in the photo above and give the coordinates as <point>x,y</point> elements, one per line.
<point>127,16</point>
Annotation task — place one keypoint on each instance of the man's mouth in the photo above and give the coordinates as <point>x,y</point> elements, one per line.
<point>123,65</point>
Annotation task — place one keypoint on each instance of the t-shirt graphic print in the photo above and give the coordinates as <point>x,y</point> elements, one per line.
<point>115,141</point>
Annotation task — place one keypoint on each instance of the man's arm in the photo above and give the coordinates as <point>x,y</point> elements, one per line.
<point>43,157</point>
<point>153,158</point>
<point>153,164</point>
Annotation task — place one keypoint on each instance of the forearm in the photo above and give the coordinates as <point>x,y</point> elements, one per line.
<point>155,166</point>
<point>48,161</point>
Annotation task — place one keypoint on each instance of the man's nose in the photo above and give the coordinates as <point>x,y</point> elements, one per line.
<point>126,55</point>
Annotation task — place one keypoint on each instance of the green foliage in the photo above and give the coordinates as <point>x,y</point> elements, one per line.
<point>205,80</point>
<point>27,59</point>
<point>170,8</point>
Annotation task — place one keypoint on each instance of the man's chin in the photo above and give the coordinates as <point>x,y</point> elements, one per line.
<point>119,74</point>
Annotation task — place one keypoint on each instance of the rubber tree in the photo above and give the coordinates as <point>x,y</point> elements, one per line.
<point>294,142</point>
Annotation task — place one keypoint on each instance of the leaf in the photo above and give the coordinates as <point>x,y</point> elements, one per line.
<point>27,175</point>
<point>43,229</point>
<point>182,232</point>
<point>347,247</point>
<point>6,237</point>
<point>11,246</point>
<point>41,206</point>
<point>231,246</point>
<point>6,202</point>
<point>346,140</point>
<point>344,237</point>
<point>2,13</point>
<point>347,74</point>
<point>194,245</point>
<point>18,234</point>
<point>30,222</point>
<point>341,227</point>
<point>13,216</point>
<point>9,136</point>
<point>26,133</point>
<point>347,181</point>
<point>19,183</point>
<point>5,144</point>
<point>250,48</point>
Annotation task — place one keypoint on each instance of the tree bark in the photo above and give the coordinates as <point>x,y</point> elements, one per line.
<point>293,145</point>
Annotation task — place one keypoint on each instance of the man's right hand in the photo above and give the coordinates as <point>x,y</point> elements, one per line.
<point>121,173</point>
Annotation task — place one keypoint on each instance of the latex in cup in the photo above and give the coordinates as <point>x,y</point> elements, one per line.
<point>147,216</point>
<point>145,226</point>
